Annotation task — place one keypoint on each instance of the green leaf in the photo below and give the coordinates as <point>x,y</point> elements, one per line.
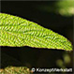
<point>17,32</point>
<point>66,7</point>
<point>15,70</point>
<point>62,7</point>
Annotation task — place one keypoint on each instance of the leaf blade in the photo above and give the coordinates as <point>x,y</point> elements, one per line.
<point>16,31</point>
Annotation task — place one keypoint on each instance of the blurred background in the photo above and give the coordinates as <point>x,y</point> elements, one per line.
<point>54,15</point>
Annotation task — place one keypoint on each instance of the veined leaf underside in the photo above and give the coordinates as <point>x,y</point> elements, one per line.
<point>17,32</point>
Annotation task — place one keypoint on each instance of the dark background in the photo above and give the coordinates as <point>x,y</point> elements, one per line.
<point>33,57</point>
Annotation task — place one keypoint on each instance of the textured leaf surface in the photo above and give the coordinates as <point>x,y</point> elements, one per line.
<point>15,70</point>
<point>16,31</point>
